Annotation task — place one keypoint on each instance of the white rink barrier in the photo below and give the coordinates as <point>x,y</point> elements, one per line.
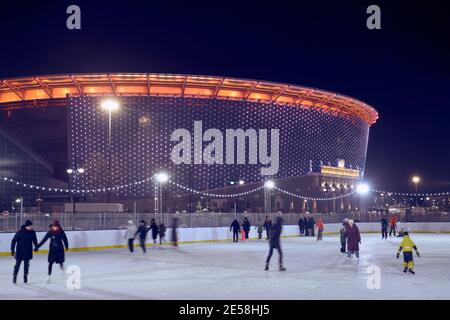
<point>107,239</point>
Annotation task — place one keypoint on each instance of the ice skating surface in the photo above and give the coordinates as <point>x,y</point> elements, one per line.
<point>225,270</point>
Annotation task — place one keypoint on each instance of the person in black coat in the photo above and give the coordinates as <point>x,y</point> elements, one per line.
<point>162,232</point>
<point>174,232</point>
<point>235,227</point>
<point>246,227</point>
<point>154,228</point>
<point>142,232</point>
<point>301,226</point>
<point>312,222</point>
<point>274,243</point>
<point>305,223</point>
<point>267,226</point>
<point>384,227</point>
<point>58,242</point>
<point>22,249</point>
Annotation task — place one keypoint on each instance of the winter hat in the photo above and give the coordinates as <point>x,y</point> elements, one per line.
<point>28,223</point>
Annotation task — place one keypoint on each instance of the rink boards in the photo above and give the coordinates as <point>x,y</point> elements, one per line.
<point>108,239</point>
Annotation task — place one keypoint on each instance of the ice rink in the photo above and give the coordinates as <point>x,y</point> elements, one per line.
<point>224,270</point>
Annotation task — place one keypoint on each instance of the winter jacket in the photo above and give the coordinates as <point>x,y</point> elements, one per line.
<point>384,223</point>
<point>142,231</point>
<point>275,233</point>
<point>353,238</point>
<point>311,223</point>
<point>393,221</point>
<point>260,228</point>
<point>154,228</point>
<point>268,225</point>
<point>407,245</point>
<point>162,230</point>
<point>246,225</point>
<point>131,231</point>
<point>320,225</point>
<point>58,241</point>
<point>301,223</point>
<point>22,244</point>
<point>235,226</point>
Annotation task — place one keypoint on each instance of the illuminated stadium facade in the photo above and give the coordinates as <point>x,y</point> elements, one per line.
<point>316,127</point>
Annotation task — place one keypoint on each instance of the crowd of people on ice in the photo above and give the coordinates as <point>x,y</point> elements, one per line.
<point>350,239</point>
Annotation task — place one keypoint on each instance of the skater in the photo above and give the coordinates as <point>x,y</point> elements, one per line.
<point>301,226</point>
<point>392,224</point>
<point>274,242</point>
<point>22,249</point>
<point>236,229</point>
<point>174,232</point>
<point>268,226</point>
<point>130,235</point>
<point>58,242</point>
<point>246,227</point>
<point>407,245</point>
<point>320,226</point>
<point>384,226</point>
<point>259,228</point>
<point>311,224</point>
<point>353,239</point>
<point>154,228</point>
<point>343,233</point>
<point>305,223</point>
<point>162,233</point>
<point>142,232</point>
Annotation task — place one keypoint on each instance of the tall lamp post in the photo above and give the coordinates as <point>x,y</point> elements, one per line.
<point>20,200</point>
<point>362,189</point>
<point>160,179</point>
<point>416,181</point>
<point>237,184</point>
<point>74,173</point>
<point>268,186</point>
<point>110,106</point>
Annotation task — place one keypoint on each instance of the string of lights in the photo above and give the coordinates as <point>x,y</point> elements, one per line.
<point>390,193</point>
<point>314,198</point>
<point>207,194</point>
<point>80,191</point>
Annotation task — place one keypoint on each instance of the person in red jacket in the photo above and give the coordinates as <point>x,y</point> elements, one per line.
<point>320,226</point>
<point>392,225</point>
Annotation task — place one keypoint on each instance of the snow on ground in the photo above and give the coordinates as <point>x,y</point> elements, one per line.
<point>224,270</point>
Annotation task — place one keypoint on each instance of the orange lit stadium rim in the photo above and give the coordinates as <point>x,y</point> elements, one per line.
<point>52,90</point>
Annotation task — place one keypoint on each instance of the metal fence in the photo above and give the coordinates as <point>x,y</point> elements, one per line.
<point>118,220</point>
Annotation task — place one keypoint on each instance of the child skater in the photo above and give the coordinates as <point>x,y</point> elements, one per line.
<point>407,245</point>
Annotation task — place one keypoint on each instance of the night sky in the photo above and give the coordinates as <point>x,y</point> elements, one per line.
<point>403,70</point>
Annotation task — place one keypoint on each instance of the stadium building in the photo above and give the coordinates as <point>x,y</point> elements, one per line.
<point>53,123</point>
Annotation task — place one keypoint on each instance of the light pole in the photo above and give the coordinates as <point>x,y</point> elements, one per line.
<point>110,106</point>
<point>160,179</point>
<point>74,173</point>
<point>268,186</point>
<point>20,200</point>
<point>237,184</point>
<point>416,181</point>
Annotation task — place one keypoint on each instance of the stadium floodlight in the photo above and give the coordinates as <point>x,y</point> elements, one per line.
<point>110,105</point>
<point>162,177</point>
<point>269,184</point>
<point>69,171</point>
<point>80,170</point>
<point>362,188</point>
<point>19,200</point>
<point>415,179</point>
<point>241,182</point>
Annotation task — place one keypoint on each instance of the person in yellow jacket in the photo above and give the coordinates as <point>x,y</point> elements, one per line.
<point>407,245</point>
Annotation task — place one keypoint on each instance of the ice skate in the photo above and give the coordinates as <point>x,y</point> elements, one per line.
<point>25,279</point>
<point>14,279</point>
<point>405,270</point>
<point>48,279</point>
<point>411,271</point>
<point>266,268</point>
<point>282,268</point>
